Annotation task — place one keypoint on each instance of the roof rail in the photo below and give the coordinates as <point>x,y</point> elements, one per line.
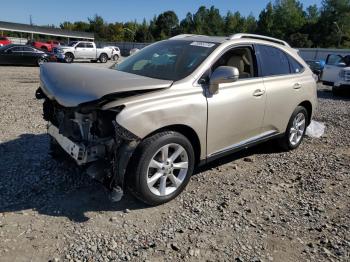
<point>260,37</point>
<point>183,36</point>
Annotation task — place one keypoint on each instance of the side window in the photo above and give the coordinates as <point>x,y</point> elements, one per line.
<point>242,58</point>
<point>295,66</point>
<point>334,59</point>
<point>16,49</point>
<point>88,45</point>
<point>27,49</point>
<point>81,45</point>
<point>274,61</point>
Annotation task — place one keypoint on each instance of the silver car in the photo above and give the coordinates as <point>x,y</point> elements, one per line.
<point>175,105</point>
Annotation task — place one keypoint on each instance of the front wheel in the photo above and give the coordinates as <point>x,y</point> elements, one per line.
<point>162,167</point>
<point>296,129</point>
<point>115,57</point>
<point>103,58</point>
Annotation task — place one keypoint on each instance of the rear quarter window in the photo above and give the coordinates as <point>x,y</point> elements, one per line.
<point>274,61</point>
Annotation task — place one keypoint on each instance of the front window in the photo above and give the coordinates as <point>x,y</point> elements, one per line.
<point>168,60</point>
<point>72,43</point>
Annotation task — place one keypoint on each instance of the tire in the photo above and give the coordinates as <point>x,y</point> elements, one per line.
<point>41,61</point>
<point>103,58</point>
<point>297,124</point>
<point>169,178</point>
<point>56,151</point>
<point>336,91</point>
<point>115,57</point>
<point>69,58</point>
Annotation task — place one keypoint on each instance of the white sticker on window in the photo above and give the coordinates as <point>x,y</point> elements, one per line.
<point>202,44</point>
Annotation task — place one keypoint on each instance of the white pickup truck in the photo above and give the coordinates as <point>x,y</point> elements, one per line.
<point>336,73</point>
<point>83,50</point>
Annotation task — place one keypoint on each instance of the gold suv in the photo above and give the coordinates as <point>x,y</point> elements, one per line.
<point>174,105</point>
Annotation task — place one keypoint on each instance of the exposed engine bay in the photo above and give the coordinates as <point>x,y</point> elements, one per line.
<point>93,138</point>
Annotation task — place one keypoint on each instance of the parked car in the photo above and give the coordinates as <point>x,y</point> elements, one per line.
<point>83,50</point>
<point>174,105</point>
<point>4,41</point>
<point>115,52</point>
<point>59,54</point>
<point>134,51</point>
<point>316,66</point>
<point>23,55</point>
<point>336,73</point>
<point>45,46</point>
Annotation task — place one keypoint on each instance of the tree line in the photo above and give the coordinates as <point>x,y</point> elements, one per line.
<point>311,26</point>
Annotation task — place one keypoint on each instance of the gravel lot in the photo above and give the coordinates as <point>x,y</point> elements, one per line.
<point>258,205</point>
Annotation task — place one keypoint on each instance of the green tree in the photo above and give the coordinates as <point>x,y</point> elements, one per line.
<point>166,25</point>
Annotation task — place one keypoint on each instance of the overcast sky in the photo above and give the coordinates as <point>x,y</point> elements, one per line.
<point>54,12</point>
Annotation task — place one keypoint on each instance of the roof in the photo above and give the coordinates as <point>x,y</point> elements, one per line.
<point>24,28</point>
<point>222,39</point>
<point>202,38</point>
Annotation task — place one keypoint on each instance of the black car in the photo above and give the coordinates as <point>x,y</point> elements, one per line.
<point>22,55</point>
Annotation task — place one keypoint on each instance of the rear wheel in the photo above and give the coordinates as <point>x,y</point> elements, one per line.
<point>41,61</point>
<point>162,167</point>
<point>296,129</point>
<point>115,57</point>
<point>103,58</point>
<point>69,58</point>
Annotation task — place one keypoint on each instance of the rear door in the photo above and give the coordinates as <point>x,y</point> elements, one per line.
<point>29,56</point>
<point>332,69</point>
<point>285,86</point>
<point>90,51</point>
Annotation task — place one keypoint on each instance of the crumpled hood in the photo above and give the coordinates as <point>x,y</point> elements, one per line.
<point>71,85</point>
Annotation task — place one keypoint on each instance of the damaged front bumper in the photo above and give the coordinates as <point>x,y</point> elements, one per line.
<point>81,153</point>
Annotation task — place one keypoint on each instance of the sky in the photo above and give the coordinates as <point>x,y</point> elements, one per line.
<point>46,12</point>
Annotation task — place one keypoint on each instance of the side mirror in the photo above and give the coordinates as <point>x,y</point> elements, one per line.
<point>222,74</point>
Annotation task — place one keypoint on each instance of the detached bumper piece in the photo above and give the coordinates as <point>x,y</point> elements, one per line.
<point>79,152</point>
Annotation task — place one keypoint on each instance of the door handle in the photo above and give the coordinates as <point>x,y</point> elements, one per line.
<point>258,92</point>
<point>297,86</point>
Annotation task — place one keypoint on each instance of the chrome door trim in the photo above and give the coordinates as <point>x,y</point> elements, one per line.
<point>245,142</point>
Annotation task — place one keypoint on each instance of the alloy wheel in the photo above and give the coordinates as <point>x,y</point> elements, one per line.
<point>297,129</point>
<point>167,169</point>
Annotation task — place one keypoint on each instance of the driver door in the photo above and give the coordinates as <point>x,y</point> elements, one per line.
<point>80,51</point>
<point>332,69</point>
<point>236,112</point>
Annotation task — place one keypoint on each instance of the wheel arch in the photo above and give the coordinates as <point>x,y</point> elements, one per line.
<point>186,131</point>
<point>308,106</point>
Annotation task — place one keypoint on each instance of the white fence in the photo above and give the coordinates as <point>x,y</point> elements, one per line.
<point>321,53</point>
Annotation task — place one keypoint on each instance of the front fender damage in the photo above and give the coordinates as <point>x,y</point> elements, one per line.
<point>112,172</point>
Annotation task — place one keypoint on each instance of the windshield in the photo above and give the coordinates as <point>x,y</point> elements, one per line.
<point>72,43</point>
<point>168,60</point>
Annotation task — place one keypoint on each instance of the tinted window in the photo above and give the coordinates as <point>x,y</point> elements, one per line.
<point>27,49</point>
<point>334,59</point>
<point>170,60</point>
<point>274,61</point>
<point>295,66</point>
<point>82,45</point>
<point>16,49</point>
<point>88,45</point>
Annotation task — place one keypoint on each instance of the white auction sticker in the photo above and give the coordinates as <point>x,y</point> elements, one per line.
<point>202,44</point>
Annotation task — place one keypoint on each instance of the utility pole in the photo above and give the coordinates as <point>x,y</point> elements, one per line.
<point>340,32</point>
<point>30,20</point>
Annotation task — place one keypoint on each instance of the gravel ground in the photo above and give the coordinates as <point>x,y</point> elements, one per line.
<point>258,205</point>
